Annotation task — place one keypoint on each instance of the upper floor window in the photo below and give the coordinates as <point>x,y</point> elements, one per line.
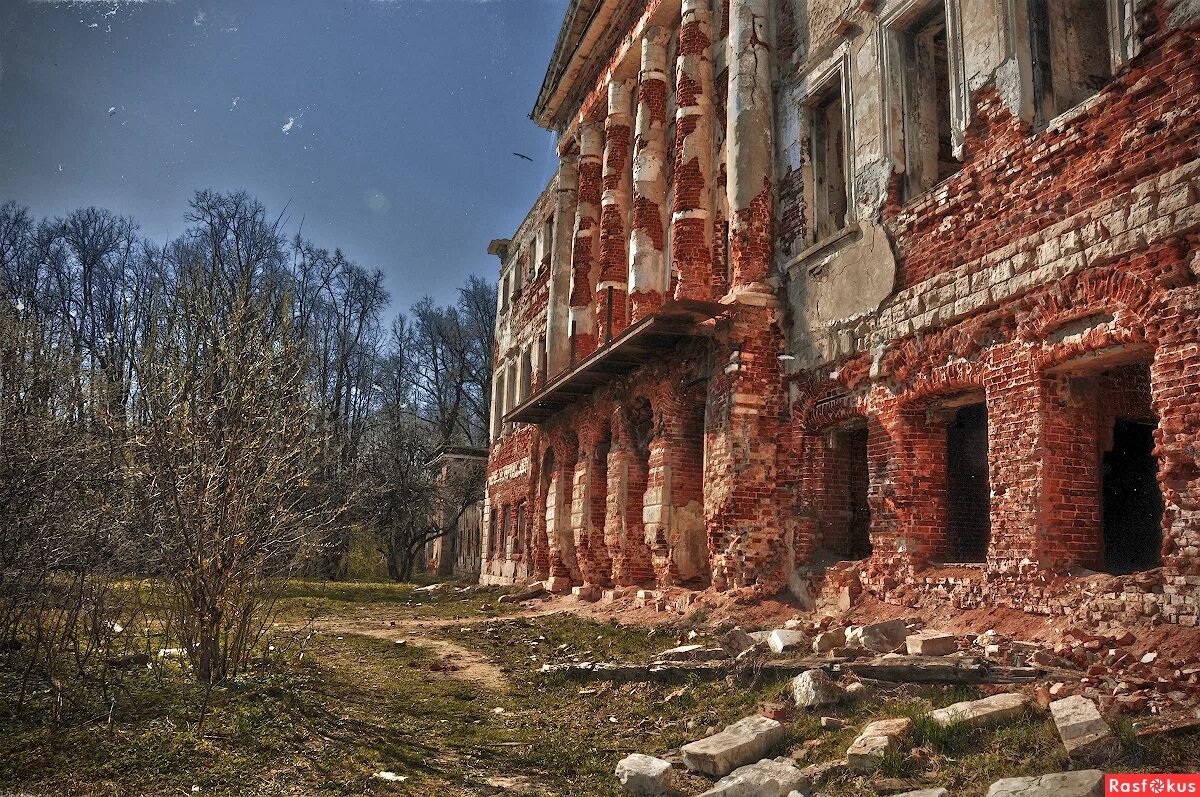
<point>927,100</point>
<point>827,151</point>
<point>1074,46</point>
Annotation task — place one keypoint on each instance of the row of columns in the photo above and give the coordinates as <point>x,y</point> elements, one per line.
<point>618,268</point>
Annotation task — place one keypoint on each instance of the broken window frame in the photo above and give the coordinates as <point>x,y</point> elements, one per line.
<point>833,75</point>
<point>1123,46</point>
<point>896,28</point>
<point>825,182</point>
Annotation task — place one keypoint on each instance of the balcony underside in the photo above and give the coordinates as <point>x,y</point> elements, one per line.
<point>637,345</point>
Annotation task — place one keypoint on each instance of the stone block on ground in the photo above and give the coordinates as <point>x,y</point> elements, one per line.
<point>1083,731</point>
<point>783,641</point>
<point>741,743</point>
<point>644,774</point>
<point>938,792</point>
<point>767,778</point>
<point>528,592</point>
<point>558,585</point>
<point>979,713</point>
<point>587,592</point>
<point>1084,783</point>
<point>879,737</point>
<point>738,641</point>
<point>692,653</point>
<point>829,640</point>
<point>879,637</point>
<point>931,643</point>
<point>814,689</point>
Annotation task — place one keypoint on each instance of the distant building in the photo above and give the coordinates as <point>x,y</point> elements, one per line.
<point>910,284</point>
<point>459,553</point>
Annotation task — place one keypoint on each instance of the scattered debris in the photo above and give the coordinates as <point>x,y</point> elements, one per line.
<point>813,689</point>
<point>744,741</point>
<point>391,777</point>
<point>643,774</point>
<point>1084,783</point>
<point>1083,731</point>
<point>879,737</point>
<point>767,778</point>
<point>980,713</point>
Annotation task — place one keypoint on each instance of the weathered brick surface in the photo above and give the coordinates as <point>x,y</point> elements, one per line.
<point>1053,277</point>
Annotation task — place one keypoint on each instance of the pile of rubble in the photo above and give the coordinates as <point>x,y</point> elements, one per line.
<point>738,755</point>
<point>1089,676</point>
<point>1101,667</point>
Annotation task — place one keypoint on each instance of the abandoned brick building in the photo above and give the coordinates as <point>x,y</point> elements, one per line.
<point>840,296</point>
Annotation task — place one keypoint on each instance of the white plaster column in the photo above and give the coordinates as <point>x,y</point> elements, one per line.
<point>691,218</point>
<point>647,269</point>
<point>558,329</point>
<point>749,125</point>
<point>613,286</point>
<point>584,262</point>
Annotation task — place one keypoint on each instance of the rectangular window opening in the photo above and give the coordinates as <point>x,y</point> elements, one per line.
<point>828,152</point>
<point>968,494</point>
<point>519,538</point>
<point>928,96</point>
<point>1071,48</point>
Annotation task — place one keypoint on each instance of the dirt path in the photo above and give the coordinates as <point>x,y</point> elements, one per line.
<point>467,664</point>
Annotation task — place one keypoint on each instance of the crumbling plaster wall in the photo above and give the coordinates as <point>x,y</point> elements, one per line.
<point>1049,247</point>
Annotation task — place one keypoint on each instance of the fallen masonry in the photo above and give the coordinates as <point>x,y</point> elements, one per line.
<point>877,740</point>
<point>1083,731</point>
<point>743,742</point>
<point>814,688</point>
<point>644,775</point>
<point>767,778</point>
<point>987,711</point>
<point>931,643</point>
<point>1084,783</point>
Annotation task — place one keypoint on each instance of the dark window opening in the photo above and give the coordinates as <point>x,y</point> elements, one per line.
<point>519,537</point>
<point>968,494</point>
<point>1133,502</point>
<point>505,519</point>
<point>1069,44</point>
<point>928,140</point>
<point>828,153</point>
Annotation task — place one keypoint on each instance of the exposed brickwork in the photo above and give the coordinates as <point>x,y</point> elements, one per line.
<point>1036,305</point>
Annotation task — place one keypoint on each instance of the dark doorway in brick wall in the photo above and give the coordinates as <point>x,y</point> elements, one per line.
<point>968,495</point>
<point>1133,502</point>
<point>851,478</point>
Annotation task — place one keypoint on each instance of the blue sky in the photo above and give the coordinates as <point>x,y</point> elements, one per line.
<point>388,126</point>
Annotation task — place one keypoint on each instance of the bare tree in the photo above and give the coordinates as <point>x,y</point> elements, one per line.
<point>223,463</point>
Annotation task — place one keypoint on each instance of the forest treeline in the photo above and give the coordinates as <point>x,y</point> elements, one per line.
<point>211,415</point>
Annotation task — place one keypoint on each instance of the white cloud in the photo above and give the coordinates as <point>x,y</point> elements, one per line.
<point>287,126</point>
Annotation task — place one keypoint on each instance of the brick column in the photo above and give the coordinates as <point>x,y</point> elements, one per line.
<point>563,566</point>
<point>1176,402</point>
<point>613,286</point>
<point>558,330</point>
<point>750,120</point>
<point>584,263</point>
<point>1071,530</point>
<point>691,237</point>
<point>647,277</point>
<point>673,509</point>
<point>588,508</point>
<point>623,532</point>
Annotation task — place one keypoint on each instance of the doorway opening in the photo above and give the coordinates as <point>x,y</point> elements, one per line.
<point>968,493</point>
